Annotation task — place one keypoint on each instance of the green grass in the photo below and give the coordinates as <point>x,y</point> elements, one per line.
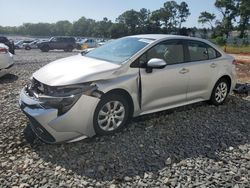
<point>237,49</point>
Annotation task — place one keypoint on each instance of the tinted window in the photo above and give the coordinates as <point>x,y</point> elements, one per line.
<point>197,51</point>
<point>171,52</point>
<point>212,53</point>
<point>71,39</point>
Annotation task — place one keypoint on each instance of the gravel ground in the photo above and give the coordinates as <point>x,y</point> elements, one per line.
<point>194,146</point>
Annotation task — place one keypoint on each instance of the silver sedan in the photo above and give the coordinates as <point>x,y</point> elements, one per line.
<point>98,93</point>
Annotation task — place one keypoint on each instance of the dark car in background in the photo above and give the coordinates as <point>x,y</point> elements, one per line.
<point>8,43</point>
<point>59,43</point>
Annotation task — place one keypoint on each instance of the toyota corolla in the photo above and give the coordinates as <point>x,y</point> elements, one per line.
<point>98,92</point>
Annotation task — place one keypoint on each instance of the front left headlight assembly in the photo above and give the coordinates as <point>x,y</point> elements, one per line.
<point>62,98</point>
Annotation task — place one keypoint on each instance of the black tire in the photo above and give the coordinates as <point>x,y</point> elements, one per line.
<point>45,48</point>
<point>29,135</point>
<point>213,99</point>
<point>69,49</point>
<point>78,47</point>
<point>27,48</point>
<point>106,99</point>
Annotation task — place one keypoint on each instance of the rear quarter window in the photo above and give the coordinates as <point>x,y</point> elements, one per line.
<point>212,53</point>
<point>200,51</point>
<point>197,51</point>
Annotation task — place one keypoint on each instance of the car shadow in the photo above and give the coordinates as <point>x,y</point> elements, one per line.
<point>150,141</point>
<point>8,78</point>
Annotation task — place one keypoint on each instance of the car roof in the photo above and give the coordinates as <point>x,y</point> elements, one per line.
<point>165,36</point>
<point>160,37</point>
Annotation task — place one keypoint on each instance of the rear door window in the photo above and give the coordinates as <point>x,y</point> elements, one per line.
<point>197,51</point>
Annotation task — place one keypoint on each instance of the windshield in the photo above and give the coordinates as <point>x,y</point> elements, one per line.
<point>119,50</point>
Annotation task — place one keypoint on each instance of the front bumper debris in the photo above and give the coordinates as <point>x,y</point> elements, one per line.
<point>53,128</point>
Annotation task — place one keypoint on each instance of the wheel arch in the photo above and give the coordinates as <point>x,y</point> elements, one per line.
<point>125,94</point>
<point>229,80</point>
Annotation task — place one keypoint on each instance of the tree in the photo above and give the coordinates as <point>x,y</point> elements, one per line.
<point>183,13</point>
<point>171,16</point>
<point>62,28</point>
<point>229,10</point>
<point>166,19</point>
<point>144,21</point>
<point>118,30</point>
<point>83,27</point>
<point>101,28</point>
<point>131,19</point>
<point>244,12</point>
<point>207,18</point>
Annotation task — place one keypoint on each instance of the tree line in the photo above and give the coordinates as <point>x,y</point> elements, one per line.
<point>167,19</point>
<point>235,16</point>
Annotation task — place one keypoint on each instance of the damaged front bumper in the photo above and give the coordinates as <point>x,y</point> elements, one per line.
<point>51,127</point>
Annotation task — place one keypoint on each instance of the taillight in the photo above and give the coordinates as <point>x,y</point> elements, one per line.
<point>3,51</point>
<point>234,62</point>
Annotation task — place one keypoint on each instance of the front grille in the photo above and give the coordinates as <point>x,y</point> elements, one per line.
<point>40,131</point>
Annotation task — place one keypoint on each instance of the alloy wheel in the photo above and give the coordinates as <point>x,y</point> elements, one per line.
<point>111,115</point>
<point>221,92</point>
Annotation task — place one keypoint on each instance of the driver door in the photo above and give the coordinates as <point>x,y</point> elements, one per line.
<point>166,87</point>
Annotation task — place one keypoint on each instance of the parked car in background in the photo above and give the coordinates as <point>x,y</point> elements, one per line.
<point>31,45</point>
<point>59,43</point>
<point>85,51</point>
<point>86,43</point>
<point>21,43</point>
<point>6,60</point>
<point>7,42</point>
<point>97,93</point>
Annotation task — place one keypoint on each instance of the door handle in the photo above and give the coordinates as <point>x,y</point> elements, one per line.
<point>213,65</point>
<point>184,71</point>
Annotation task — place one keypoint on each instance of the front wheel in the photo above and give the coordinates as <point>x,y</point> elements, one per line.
<point>220,92</point>
<point>69,49</point>
<point>111,114</point>
<point>29,135</point>
<point>45,48</point>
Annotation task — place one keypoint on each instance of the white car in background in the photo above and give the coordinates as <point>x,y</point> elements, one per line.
<point>87,43</point>
<point>6,60</point>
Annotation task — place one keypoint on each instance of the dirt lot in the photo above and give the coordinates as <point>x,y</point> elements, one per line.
<point>243,67</point>
<point>194,146</point>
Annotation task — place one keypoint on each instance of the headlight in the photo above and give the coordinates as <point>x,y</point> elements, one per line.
<point>61,97</point>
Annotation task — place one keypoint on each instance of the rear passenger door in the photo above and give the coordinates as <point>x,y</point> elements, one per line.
<point>203,68</point>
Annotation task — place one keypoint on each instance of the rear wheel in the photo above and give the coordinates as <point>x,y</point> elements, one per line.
<point>111,114</point>
<point>220,92</point>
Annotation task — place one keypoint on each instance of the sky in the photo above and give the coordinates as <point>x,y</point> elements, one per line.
<point>17,12</point>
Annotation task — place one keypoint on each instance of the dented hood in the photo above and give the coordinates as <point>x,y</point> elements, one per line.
<point>75,69</point>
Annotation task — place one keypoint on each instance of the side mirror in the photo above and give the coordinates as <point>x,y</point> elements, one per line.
<point>156,63</point>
